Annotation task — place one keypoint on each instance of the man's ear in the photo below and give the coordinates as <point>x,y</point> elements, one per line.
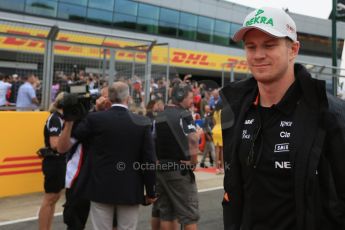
<point>294,49</point>
<point>127,100</point>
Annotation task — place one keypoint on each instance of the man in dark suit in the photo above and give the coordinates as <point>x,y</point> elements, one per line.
<point>118,143</point>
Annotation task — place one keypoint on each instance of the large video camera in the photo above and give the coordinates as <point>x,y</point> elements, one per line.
<point>76,103</point>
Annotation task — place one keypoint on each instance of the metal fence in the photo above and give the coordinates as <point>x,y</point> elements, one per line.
<point>60,57</point>
<point>234,71</point>
<point>333,76</point>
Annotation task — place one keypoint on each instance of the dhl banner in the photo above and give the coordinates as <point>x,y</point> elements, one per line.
<point>178,57</point>
<point>21,137</point>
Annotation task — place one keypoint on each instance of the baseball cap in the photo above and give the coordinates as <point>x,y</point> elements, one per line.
<point>273,21</point>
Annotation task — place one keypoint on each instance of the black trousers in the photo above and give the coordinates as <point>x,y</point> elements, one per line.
<point>76,211</point>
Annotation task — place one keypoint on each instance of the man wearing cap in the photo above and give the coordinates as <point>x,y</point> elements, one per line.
<point>283,137</point>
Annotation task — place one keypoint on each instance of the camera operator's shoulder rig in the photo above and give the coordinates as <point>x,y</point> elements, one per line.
<point>171,141</point>
<point>140,120</point>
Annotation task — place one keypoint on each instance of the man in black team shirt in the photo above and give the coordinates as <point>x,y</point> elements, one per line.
<point>176,145</point>
<point>284,149</point>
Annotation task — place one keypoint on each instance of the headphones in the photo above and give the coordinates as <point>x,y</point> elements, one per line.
<point>180,92</point>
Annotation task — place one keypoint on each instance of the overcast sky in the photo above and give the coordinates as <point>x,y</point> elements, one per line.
<point>315,8</point>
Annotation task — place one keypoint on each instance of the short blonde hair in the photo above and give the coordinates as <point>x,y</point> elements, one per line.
<point>54,106</point>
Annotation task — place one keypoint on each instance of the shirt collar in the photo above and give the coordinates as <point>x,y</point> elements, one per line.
<point>287,104</point>
<point>119,105</point>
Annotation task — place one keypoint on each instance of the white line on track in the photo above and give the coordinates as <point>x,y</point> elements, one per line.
<point>60,213</point>
<point>24,220</point>
<point>210,189</point>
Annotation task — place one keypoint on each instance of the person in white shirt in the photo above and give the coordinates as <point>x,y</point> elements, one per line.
<point>4,87</point>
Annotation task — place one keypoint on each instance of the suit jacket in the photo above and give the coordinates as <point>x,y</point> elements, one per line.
<point>117,142</point>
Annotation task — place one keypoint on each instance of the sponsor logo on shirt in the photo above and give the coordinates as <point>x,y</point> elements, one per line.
<point>191,127</point>
<point>285,123</point>
<point>245,134</point>
<point>284,147</point>
<point>53,129</point>
<point>284,134</point>
<point>249,122</point>
<point>282,164</point>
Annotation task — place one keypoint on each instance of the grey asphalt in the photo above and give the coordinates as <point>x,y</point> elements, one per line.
<point>210,213</point>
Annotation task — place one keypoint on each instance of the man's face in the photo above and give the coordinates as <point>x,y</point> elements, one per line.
<point>215,94</point>
<point>159,106</point>
<point>32,79</point>
<point>207,109</point>
<point>269,58</point>
<point>187,101</point>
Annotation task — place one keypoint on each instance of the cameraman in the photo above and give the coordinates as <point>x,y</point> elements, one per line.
<point>109,136</point>
<point>53,165</point>
<point>76,207</point>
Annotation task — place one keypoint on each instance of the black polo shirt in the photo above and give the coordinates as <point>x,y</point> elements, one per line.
<point>172,127</point>
<point>267,173</point>
<point>53,127</point>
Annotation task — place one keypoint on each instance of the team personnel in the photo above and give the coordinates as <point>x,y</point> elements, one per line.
<point>284,155</point>
<point>116,142</point>
<point>53,166</point>
<point>176,146</point>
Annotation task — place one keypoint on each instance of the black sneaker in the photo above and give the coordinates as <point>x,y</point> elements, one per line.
<point>202,165</point>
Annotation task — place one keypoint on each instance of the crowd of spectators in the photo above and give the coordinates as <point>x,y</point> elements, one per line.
<point>206,99</point>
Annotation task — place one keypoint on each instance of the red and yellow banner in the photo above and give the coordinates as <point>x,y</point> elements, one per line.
<point>21,137</point>
<point>178,57</point>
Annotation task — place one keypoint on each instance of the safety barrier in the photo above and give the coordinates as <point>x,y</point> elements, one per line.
<point>21,136</point>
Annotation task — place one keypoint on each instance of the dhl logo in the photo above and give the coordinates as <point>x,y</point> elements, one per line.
<point>65,36</point>
<point>203,60</point>
<point>20,30</point>
<point>194,59</point>
<point>236,63</point>
<point>20,165</point>
<point>178,57</point>
<point>12,41</point>
<point>41,43</point>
